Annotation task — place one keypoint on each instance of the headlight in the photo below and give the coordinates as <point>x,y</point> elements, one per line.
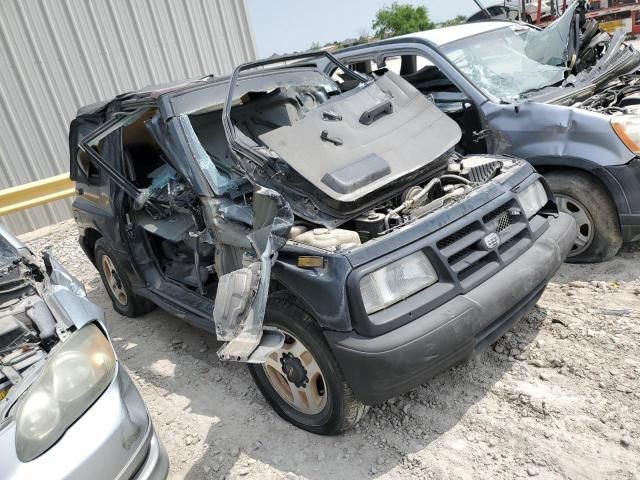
<point>533,198</point>
<point>628,129</point>
<point>73,378</point>
<point>396,281</point>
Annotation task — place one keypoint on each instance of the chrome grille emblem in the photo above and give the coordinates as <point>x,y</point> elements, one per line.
<point>491,241</point>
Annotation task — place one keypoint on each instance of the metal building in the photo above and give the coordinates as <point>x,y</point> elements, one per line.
<point>56,55</point>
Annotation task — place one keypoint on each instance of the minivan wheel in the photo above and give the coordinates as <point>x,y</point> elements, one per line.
<point>302,380</point>
<point>117,285</point>
<point>582,197</point>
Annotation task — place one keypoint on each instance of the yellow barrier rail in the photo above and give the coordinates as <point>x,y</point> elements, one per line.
<point>16,199</point>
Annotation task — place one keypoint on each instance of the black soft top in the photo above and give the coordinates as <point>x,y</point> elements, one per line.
<point>150,92</point>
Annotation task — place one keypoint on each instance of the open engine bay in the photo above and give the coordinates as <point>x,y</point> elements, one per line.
<point>185,248</point>
<point>620,97</point>
<point>40,306</point>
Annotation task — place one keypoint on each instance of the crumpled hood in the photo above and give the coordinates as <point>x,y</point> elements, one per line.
<point>553,45</point>
<point>8,251</point>
<point>361,141</point>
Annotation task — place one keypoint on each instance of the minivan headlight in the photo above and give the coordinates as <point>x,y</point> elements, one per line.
<point>627,127</point>
<point>74,377</point>
<point>396,281</point>
<point>533,198</point>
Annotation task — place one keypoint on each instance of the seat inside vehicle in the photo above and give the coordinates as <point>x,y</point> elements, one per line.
<point>143,158</point>
<point>430,79</point>
<point>259,113</point>
<point>172,241</point>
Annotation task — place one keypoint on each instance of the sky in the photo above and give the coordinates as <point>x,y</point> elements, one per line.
<point>284,26</point>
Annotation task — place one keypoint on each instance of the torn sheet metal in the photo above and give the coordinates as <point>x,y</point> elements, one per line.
<point>61,276</point>
<point>612,55</point>
<point>552,45</point>
<point>241,298</point>
<point>66,297</point>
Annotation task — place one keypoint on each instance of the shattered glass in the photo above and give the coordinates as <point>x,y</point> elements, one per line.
<point>219,182</point>
<point>509,63</point>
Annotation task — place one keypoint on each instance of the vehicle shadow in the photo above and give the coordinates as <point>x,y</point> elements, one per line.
<point>212,413</point>
<point>623,267</point>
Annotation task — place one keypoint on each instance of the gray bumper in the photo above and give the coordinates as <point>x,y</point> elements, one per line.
<point>381,367</point>
<point>156,463</point>
<point>113,439</point>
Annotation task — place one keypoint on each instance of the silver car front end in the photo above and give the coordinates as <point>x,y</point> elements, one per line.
<point>114,438</point>
<point>68,409</point>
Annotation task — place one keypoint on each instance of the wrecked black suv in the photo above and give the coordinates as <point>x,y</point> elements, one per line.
<point>328,234</point>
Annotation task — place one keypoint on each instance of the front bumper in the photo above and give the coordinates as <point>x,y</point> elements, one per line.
<point>390,364</point>
<point>113,439</point>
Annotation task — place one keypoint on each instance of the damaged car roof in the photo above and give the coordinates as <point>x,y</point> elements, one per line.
<point>149,91</point>
<point>442,36</point>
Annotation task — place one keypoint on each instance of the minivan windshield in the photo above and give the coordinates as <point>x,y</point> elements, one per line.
<point>510,63</point>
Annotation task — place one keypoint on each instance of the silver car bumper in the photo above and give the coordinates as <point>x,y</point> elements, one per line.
<point>115,438</point>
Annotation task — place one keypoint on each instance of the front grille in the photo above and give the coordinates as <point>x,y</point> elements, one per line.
<point>500,218</point>
<point>454,237</point>
<point>467,255</point>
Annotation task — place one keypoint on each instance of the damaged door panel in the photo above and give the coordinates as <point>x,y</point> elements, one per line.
<point>241,298</point>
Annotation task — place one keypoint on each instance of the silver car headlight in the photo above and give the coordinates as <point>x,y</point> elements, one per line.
<point>396,281</point>
<point>533,198</point>
<point>74,377</point>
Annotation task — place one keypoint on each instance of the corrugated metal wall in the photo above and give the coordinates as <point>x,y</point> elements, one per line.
<point>57,55</point>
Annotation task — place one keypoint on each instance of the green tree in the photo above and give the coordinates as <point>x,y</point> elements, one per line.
<point>400,19</point>
<point>457,20</point>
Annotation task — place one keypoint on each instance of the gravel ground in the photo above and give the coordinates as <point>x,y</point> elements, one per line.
<point>557,397</point>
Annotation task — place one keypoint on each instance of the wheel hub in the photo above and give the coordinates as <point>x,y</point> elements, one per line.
<point>294,370</point>
<point>296,377</point>
<point>583,220</point>
<point>114,283</point>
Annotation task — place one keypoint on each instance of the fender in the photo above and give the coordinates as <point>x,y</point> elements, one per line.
<point>611,183</point>
<point>321,292</point>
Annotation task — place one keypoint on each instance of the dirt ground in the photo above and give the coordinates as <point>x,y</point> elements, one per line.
<point>557,397</point>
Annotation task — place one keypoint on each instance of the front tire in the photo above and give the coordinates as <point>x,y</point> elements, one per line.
<point>302,381</point>
<point>582,197</point>
<point>117,285</point>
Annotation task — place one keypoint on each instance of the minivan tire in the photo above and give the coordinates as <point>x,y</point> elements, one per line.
<point>341,410</point>
<point>587,193</point>
<point>117,284</point>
